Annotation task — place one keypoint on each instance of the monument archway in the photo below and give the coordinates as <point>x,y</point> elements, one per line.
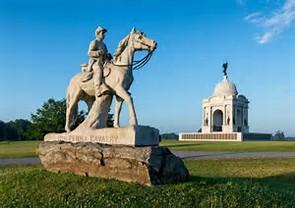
<point>217,120</point>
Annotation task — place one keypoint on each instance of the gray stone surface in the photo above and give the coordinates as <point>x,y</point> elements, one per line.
<point>20,161</point>
<point>151,165</point>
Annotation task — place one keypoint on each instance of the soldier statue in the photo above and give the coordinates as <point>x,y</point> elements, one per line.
<point>98,56</point>
<point>224,66</point>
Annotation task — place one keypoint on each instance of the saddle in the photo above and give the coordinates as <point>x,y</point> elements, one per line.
<point>88,75</point>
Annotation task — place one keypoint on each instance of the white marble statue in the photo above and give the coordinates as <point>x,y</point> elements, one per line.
<point>117,79</point>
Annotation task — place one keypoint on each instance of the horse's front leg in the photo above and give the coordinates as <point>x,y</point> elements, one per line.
<point>118,107</point>
<point>121,92</point>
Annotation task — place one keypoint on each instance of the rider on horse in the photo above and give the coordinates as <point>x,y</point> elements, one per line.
<point>98,56</point>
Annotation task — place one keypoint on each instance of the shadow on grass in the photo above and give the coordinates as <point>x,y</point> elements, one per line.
<point>181,145</point>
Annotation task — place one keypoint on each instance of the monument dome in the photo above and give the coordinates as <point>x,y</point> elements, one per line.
<point>225,88</point>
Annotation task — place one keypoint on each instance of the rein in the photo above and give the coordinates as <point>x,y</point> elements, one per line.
<point>138,64</point>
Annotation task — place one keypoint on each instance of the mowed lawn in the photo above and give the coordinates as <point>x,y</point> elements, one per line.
<point>213,183</point>
<point>28,148</point>
<point>253,146</point>
<point>18,149</point>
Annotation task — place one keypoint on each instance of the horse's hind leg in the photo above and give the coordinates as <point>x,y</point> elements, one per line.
<point>118,107</point>
<point>121,92</point>
<point>73,96</point>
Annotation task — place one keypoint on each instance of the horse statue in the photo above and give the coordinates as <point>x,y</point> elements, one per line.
<point>118,80</point>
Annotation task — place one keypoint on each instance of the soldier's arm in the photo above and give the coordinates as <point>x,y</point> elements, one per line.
<point>92,52</point>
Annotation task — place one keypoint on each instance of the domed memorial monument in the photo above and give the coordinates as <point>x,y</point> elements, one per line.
<point>130,153</point>
<point>225,115</point>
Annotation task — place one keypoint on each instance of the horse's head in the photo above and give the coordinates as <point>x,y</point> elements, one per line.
<point>135,41</point>
<point>139,41</point>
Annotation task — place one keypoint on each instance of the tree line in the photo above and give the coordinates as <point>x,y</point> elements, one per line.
<point>14,130</point>
<point>50,117</point>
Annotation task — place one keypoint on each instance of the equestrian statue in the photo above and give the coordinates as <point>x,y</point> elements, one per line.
<point>104,77</point>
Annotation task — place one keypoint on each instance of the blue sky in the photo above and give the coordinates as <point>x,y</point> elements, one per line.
<point>43,43</point>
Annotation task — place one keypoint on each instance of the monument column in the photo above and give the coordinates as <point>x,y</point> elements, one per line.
<point>210,120</point>
<point>224,125</point>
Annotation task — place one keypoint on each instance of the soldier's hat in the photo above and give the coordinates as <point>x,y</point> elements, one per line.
<point>100,29</point>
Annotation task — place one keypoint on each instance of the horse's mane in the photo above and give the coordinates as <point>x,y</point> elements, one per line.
<point>121,47</point>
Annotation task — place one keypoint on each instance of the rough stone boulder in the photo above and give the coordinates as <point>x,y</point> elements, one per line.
<point>151,165</point>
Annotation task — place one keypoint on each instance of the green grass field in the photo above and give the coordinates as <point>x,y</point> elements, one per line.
<point>18,149</point>
<point>213,183</point>
<point>269,146</point>
<point>28,148</point>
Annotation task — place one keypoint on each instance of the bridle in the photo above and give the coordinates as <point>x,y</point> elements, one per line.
<point>138,64</point>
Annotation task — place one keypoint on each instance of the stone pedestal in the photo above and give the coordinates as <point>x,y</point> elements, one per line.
<point>151,165</point>
<point>132,136</point>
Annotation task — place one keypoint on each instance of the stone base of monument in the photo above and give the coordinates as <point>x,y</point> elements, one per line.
<point>132,136</point>
<point>152,165</point>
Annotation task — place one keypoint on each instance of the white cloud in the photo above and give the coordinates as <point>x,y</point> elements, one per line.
<point>276,23</point>
<point>265,37</point>
<point>254,18</point>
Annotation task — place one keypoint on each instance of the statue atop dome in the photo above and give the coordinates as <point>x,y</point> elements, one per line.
<point>224,66</point>
<point>225,87</point>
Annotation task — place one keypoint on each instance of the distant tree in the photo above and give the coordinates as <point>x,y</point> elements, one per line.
<point>169,136</point>
<point>10,131</point>
<point>110,121</point>
<point>279,135</point>
<point>2,126</point>
<point>51,117</point>
<point>13,130</point>
<point>21,126</point>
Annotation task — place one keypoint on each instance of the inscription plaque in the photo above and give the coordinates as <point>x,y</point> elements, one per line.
<point>132,136</point>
